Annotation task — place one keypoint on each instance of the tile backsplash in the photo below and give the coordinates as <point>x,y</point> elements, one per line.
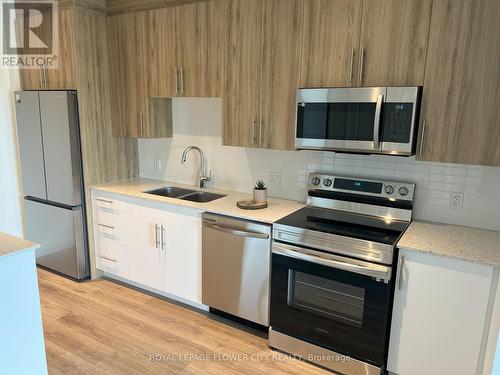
<point>198,122</point>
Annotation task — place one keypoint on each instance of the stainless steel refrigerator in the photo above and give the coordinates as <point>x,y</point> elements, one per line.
<point>51,168</point>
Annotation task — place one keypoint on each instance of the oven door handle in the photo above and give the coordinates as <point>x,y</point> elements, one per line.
<point>333,261</point>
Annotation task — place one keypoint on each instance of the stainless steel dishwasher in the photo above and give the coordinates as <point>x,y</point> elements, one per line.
<point>236,266</point>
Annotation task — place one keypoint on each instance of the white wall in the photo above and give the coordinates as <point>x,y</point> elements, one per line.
<point>198,122</point>
<point>10,203</point>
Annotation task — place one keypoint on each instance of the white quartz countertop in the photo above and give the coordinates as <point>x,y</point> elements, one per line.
<point>277,208</point>
<point>10,245</point>
<point>471,244</point>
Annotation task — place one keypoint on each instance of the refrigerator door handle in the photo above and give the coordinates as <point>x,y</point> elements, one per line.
<point>52,203</point>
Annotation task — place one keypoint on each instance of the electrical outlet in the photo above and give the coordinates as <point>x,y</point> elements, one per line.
<point>274,179</point>
<point>457,200</point>
<point>158,165</point>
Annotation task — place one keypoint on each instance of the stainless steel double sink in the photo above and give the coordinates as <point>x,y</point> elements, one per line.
<point>185,194</point>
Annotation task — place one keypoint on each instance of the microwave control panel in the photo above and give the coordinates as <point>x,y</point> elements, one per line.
<point>397,122</point>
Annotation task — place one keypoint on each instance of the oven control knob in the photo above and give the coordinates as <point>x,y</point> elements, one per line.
<point>403,191</point>
<point>315,181</point>
<point>389,189</point>
<point>327,182</point>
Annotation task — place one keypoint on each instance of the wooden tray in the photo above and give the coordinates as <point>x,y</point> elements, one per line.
<point>251,205</point>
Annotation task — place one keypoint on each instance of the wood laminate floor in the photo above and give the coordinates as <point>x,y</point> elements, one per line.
<point>101,327</point>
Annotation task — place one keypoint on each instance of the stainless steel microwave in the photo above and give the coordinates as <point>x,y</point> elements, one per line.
<point>371,120</point>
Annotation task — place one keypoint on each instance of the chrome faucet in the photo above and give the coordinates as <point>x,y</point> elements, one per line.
<point>202,172</point>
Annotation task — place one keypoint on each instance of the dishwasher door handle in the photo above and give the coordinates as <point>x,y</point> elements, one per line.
<point>237,232</point>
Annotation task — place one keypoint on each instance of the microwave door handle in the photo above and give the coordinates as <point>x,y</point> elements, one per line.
<point>376,122</point>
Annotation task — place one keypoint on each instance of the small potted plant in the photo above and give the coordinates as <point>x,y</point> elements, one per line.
<point>260,192</point>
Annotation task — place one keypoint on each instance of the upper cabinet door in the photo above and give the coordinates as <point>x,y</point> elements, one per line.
<point>161,53</point>
<point>393,42</point>
<point>126,74</point>
<point>282,23</point>
<point>331,37</point>
<point>461,96</point>
<point>63,78</point>
<point>32,78</point>
<point>200,49</point>
<point>242,73</point>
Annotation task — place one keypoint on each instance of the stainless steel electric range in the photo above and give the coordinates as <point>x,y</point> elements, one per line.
<point>332,272</point>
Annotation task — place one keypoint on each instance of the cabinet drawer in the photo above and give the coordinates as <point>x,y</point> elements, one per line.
<point>109,204</point>
<point>110,257</point>
<point>110,228</point>
<point>110,224</point>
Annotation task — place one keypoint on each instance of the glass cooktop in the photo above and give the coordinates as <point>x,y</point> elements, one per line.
<point>346,224</point>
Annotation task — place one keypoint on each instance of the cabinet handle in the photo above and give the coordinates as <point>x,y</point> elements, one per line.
<point>157,237</point>
<point>422,140</point>
<point>361,64</point>
<point>261,137</point>
<point>163,237</point>
<point>401,268</point>
<point>107,258</point>
<point>254,133</point>
<point>182,81</point>
<point>176,81</point>
<point>104,200</point>
<point>47,82</point>
<point>141,117</point>
<point>106,226</point>
<point>42,82</point>
<point>351,69</point>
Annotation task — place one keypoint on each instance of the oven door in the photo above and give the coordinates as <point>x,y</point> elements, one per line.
<point>345,119</point>
<point>334,302</point>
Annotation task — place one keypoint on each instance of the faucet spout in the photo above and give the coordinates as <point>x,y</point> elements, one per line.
<point>202,172</point>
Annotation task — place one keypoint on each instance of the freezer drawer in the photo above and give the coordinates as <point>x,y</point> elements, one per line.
<point>236,265</point>
<point>62,237</point>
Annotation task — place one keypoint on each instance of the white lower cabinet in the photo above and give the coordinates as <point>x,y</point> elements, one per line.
<point>144,253</point>
<point>439,314</point>
<point>159,248</point>
<point>182,276</point>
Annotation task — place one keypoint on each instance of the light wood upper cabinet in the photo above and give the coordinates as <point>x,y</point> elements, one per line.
<point>280,72</point>
<point>242,75</point>
<point>158,54</point>
<point>460,104</point>
<point>365,43</point>
<point>125,74</point>
<point>331,38</point>
<point>32,79</point>
<point>262,72</point>
<point>393,42</point>
<point>135,112</point>
<point>62,77</point>
<point>200,49</point>
<point>161,38</point>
